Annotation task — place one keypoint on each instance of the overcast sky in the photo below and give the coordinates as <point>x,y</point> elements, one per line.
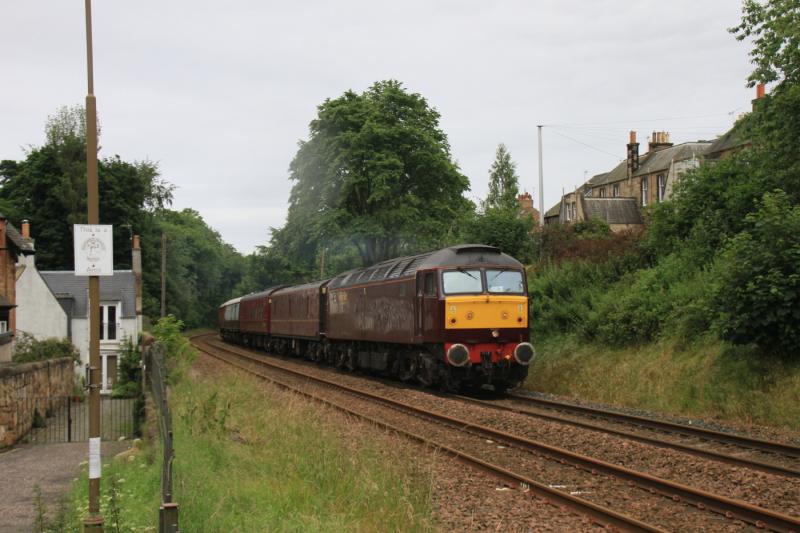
<point>219,93</point>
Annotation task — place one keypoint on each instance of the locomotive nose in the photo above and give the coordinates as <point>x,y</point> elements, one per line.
<point>524,353</point>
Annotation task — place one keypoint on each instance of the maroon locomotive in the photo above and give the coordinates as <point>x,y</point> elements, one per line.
<point>450,317</point>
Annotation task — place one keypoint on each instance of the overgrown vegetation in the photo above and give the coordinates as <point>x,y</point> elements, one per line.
<point>28,349</point>
<point>722,257</point>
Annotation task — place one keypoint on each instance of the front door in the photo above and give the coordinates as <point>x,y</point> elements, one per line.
<point>109,372</point>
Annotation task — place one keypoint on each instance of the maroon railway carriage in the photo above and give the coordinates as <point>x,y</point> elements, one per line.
<point>454,316</point>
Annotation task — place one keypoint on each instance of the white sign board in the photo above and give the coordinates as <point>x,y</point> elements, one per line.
<point>94,250</point>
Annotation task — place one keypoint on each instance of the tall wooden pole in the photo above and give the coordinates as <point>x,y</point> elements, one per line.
<point>94,521</point>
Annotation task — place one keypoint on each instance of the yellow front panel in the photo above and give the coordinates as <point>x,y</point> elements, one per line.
<point>491,311</point>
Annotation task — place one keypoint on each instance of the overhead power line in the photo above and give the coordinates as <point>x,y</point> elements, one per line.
<point>615,156</point>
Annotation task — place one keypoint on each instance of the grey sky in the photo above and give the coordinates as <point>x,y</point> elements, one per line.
<point>220,92</point>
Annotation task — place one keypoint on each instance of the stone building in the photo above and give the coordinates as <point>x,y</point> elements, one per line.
<point>651,177</point>
<point>12,247</point>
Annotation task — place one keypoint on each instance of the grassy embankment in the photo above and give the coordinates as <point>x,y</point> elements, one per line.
<point>252,458</point>
<point>707,378</point>
<point>618,332</point>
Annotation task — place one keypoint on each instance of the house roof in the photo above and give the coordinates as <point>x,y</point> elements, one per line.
<point>121,287</point>
<point>25,246</point>
<point>553,211</point>
<point>653,162</point>
<point>729,140</point>
<point>613,210</point>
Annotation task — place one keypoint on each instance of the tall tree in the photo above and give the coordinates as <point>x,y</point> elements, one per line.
<point>377,172</point>
<point>503,181</point>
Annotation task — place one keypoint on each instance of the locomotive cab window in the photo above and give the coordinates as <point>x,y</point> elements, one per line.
<point>462,281</point>
<point>508,281</point>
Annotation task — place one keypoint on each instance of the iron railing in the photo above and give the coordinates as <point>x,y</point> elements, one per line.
<point>156,378</point>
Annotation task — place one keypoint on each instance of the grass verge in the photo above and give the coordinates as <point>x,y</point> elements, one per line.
<point>709,379</point>
<point>250,458</point>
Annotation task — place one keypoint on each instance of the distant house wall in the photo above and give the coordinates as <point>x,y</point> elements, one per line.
<point>38,313</point>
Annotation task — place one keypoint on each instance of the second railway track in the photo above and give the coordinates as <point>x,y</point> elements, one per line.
<point>685,497</point>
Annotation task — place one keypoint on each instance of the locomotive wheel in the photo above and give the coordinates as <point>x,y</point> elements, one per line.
<point>408,367</point>
<point>427,371</point>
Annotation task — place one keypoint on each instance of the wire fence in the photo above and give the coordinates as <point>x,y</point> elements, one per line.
<point>155,376</point>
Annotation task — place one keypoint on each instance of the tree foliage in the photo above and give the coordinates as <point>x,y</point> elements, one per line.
<point>774,27</point>
<point>376,172</point>
<point>757,298</point>
<point>503,181</point>
<point>49,189</point>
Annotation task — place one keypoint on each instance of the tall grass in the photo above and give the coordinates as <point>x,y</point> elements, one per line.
<point>251,458</point>
<point>707,378</point>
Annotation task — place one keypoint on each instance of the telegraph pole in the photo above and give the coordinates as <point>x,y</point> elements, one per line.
<point>94,521</point>
<point>541,196</point>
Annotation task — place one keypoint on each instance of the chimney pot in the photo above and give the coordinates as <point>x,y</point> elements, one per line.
<point>26,229</point>
<point>632,137</point>
<point>136,245</point>
<point>760,90</point>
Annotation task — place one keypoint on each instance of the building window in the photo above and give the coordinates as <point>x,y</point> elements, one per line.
<point>662,187</point>
<point>602,192</point>
<point>644,191</point>
<point>615,190</point>
<point>108,322</point>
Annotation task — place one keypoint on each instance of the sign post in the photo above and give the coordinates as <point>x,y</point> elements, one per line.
<point>94,521</point>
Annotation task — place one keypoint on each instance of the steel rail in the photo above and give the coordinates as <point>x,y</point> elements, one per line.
<point>706,434</point>
<point>597,513</point>
<point>685,448</point>
<point>731,508</point>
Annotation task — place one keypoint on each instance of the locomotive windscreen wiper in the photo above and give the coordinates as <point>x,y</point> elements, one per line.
<point>467,272</point>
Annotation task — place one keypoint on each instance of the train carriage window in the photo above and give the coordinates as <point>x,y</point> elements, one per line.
<point>462,281</point>
<point>509,281</point>
<point>430,284</point>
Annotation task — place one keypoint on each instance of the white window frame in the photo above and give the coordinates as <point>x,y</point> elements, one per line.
<point>643,188</point>
<point>104,306</point>
<point>661,187</point>
<point>615,190</point>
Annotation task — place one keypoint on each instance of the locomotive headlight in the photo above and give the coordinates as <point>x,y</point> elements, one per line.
<point>524,353</point>
<point>495,333</point>
<point>458,355</point>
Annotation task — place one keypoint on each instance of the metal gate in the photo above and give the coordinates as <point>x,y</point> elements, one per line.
<point>66,418</point>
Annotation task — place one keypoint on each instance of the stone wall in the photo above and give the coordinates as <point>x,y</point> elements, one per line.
<point>27,388</point>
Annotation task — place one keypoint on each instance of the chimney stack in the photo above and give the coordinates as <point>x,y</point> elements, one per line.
<point>659,141</point>
<point>26,229</point>
<point>633,154</point>
<point>761,91</point>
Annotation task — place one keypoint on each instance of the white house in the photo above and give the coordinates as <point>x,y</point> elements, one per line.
<point>118,318</point>
<point>38,312</point>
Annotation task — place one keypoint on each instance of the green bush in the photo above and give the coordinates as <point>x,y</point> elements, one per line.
<point>28,349</point>
<point>504,228</point>
<point>757,298</point>
<point>129,376</point>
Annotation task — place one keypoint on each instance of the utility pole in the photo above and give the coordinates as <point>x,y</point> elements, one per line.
<point>163,274</point>
<point>94,521</point>
<point>541,196</point>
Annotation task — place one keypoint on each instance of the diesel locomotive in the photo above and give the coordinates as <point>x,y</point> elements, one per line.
<point>450,318</point>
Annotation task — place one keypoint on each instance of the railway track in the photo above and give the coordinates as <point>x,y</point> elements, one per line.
<point>655,426</point>
<point>747,443</point>
<point>674,492</point>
